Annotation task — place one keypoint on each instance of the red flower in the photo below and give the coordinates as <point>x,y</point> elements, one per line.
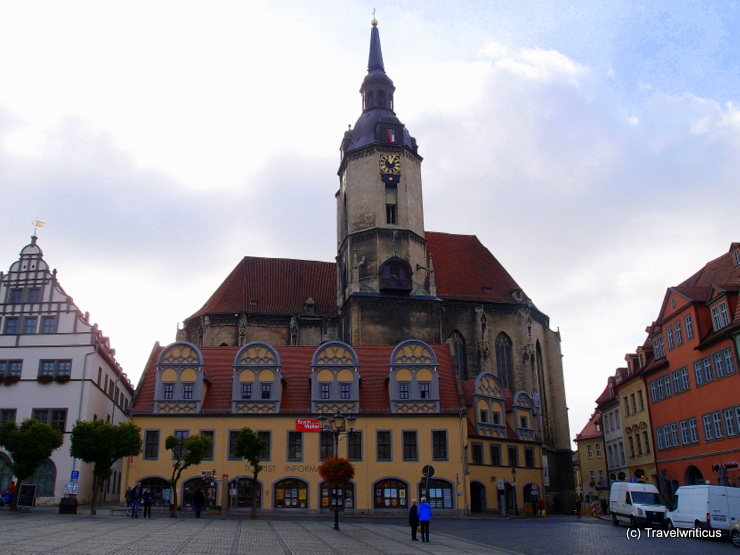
<point>337,471</point>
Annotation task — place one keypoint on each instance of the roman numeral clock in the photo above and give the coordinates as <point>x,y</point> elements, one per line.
<point>390,169</point>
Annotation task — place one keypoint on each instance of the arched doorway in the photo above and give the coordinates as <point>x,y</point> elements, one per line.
<point>161,490</point>
<point>242,487</point>
<point>531,496</point>
<point>208,487</point>
<point>6,473</point>
<point>477,497</point>
<point>693,477</point>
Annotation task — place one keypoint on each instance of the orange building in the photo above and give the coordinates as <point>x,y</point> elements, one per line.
<point>693,380</point>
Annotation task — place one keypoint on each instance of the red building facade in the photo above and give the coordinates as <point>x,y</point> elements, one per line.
<point>693,380</point>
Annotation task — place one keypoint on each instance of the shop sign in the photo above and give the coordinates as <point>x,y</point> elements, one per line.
<point>307,425</point>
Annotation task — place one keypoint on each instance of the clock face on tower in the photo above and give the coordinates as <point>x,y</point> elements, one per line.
<point>390,164</point>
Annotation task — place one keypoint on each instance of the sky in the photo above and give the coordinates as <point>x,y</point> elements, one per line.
<point>592,146</point>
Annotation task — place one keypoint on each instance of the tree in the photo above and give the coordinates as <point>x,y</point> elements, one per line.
<point>187,453</point>
<point>102,444</point>
<point>29,445</point>
<point>248,445</point>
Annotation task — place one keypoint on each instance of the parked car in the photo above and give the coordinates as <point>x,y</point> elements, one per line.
<point>636,504</point>
<point>735,534</point>
<point>708,507</point>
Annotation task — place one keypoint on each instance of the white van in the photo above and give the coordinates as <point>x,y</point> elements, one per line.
<point>635,504</point>
<point>708,507</point>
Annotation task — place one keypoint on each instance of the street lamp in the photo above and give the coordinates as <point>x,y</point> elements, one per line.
<point>514,485</point>
<point>337,425</point>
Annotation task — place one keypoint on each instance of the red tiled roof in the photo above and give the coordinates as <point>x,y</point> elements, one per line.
<point>720,271</point>
<point>275,286</point>
<point>466,270</point>
<point>296,371</point>
<point>589,430</point>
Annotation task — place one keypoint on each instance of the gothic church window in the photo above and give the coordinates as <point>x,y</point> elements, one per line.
<point>458,354</point>
<point>504,362</point>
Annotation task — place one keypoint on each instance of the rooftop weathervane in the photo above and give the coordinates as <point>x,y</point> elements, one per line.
<point>37,224</point>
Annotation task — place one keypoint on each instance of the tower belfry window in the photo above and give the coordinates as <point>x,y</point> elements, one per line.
<point>381,99</point>
<point>391,214</point>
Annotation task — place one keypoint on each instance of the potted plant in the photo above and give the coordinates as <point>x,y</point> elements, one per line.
<point>11,379</point>
<point>63,378</point>
<point>44,378</point>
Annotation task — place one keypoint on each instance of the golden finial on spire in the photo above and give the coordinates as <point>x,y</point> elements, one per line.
<point>375,21</point>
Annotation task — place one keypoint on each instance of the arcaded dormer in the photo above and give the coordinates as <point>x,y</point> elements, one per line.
<point>179,388</point>
<point>490,406</point>
<point>523,414</point>
<point>335,380</point>
<point>413,381</point>
<point>256,387</point>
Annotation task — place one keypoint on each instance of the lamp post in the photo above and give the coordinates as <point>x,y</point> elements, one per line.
<point>337,425</point>
<point>514,485</point>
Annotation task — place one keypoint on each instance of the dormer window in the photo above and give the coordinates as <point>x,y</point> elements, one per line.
<point>720,318</point>
<point>256,379</point>
<point>414,383</point>
<point>179,379</point>
<point>335,382</point>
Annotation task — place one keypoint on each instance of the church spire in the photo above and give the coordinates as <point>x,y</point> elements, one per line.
<point>378,122</point>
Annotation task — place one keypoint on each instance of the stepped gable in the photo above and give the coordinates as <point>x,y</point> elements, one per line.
<point>374,371</point>
<point>464,269</point>
<point>274,286</point>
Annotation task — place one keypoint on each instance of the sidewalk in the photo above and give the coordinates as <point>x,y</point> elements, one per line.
<point>43,530</point>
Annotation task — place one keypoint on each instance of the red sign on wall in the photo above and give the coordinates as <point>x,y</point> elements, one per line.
<point>307,425</point>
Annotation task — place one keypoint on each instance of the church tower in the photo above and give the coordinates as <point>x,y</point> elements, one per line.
<point>380,214</point>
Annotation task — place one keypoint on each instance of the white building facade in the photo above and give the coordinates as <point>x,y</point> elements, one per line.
<point>55,367</point>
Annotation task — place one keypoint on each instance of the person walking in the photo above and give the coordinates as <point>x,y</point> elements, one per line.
<point>414,519</point>
<point>136,495</point>
<point>541,507</point>
<point>579,502</point>
<point>425,515</point>
<point>198,501</point>
<point>147,498</point>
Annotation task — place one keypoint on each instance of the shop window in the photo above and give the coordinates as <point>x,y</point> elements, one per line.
<point>391,494</point>
<point>291,493</point>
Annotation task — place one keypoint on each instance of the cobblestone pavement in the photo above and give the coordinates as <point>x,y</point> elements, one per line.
<point>44,531</point>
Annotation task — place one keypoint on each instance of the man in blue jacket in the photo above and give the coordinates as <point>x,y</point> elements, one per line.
<point>425,515</point>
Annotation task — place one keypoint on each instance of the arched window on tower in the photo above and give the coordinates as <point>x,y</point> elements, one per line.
<point>381,99</point>
<point>369,100</point>
<point>395,276</point>
<point>457,342</point>
<point>504,362</point>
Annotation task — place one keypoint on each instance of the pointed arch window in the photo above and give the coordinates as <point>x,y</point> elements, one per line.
<point>504,361</point>
<point>459,354</point>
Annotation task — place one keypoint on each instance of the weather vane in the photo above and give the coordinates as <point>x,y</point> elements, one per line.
<point>37,224</point>
<point>375,21</point>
